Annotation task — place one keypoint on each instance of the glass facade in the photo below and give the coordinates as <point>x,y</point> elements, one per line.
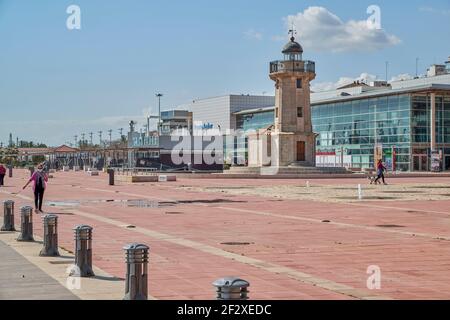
<point>255,121</point>
<point>400,123</point>
<point>420,119</point>
<point>236,147</point>
<point>357,125</point>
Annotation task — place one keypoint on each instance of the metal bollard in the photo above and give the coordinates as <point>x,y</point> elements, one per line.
<point>31,170</point>
<point>136,278</point>
<point>50,248</point>
<point>83,250</point>
<point>111,176</point>
<point>10,171</point>
<point>8,216</point>
<point>231,288</point>
<point>26,233</point>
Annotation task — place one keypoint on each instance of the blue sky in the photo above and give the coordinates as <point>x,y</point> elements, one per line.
<point>55,83</point>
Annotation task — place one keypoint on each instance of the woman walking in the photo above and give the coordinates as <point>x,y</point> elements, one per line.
<point>39,179</point>
<point>380,172</point>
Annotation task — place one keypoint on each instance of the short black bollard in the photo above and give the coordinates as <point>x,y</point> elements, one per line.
<point>10,171</point>
<point>50,248</point>
<point>8,216</point>
<point>26,233</point>
<point>111,176</point>
<point>83,251</point>
<point>31,170</point>
<point>231,288</point>
<point>137,265</point>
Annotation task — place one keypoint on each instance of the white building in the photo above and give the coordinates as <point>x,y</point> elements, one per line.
<point>216,115</point>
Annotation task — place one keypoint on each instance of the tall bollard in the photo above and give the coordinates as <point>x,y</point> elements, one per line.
<point>136,279</point>
<point>26,231</point>
<point>111,176</point>
<point>83,251</point>
<point>8,216</point>
<point>50,248</point>
<point>10,171</point>
<point>231,288</point>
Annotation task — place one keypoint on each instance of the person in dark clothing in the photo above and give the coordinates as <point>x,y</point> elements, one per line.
<point>2,174</point>
<point>380,172</point>
<point>39,179</point>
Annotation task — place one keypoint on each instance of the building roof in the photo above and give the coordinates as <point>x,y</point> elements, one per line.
<point>254,110</point>
<point>369,94</point>
<point>292,47</point>
<point>64,149</point>
<point>384,92</point>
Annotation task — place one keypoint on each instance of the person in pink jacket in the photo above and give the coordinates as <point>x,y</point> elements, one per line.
<point>39,179</point>
<point>2,174</point>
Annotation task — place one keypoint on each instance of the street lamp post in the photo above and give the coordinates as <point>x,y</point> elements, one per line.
<point>159,95</point>
<point>110,137</point>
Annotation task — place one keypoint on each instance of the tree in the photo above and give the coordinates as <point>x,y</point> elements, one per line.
<point>9,155</point>
<point>31,144</point>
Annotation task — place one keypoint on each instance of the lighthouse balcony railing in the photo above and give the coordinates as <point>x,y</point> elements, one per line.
<point>294,66</point>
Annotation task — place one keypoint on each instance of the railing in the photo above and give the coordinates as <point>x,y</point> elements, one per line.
<point>293,65</point>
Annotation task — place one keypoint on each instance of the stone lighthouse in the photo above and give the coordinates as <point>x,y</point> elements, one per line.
<point>291,141</point>
<point>293,136</point>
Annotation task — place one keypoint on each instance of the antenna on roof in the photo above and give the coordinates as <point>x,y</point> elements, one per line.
<point>417,67</point>
<point>387,68</point>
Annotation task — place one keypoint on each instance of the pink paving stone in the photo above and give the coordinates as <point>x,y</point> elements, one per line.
<point>413,267</point>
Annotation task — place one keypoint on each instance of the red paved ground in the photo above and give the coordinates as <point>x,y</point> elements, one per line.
<point>414,259</point>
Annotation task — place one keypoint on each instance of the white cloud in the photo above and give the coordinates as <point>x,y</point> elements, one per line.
<point>320,30</point>
<point>327,86</point>
<point>400,77</point>
<point>364,77</point>
<point>253,34</point>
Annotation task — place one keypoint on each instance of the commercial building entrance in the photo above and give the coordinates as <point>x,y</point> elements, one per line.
<point>420,162</point>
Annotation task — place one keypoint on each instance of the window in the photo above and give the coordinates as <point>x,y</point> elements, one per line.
<point>300,112</point>
<point>299,83</point>
<point>276,112</point>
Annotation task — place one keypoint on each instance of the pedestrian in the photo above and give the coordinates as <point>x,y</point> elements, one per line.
<point>380,172</point>
<point>39,179</point>
<point>2,174</point>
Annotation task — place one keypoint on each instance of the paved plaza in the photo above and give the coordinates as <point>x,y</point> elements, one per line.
<point>291,239</point>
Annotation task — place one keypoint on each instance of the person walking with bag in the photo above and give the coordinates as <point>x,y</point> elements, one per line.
<point>39,179</point>
<point>380,172</point>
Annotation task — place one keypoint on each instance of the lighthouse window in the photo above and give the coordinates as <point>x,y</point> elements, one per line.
<point>300,112</point>
<point>299,83</point>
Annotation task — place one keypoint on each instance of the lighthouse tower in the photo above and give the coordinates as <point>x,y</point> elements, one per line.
<point>293,141</point>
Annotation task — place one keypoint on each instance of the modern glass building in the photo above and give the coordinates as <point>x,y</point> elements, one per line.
<point>399,123</point>
<point>352,123</point>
